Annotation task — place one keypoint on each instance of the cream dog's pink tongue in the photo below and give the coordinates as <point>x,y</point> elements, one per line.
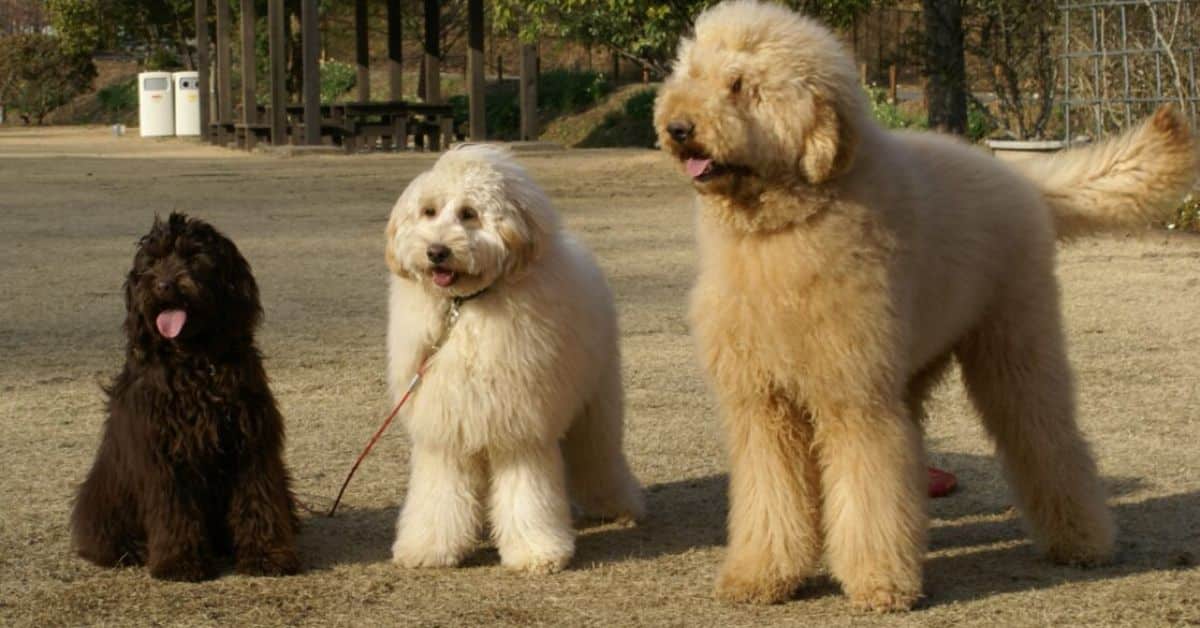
<point>697,167</point>
<point>443,277</point>
<point>170,322</point>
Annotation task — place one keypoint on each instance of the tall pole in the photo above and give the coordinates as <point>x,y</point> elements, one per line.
<point>202,67</point>
<point>395,39</point>
<point>224,71</point>
<point>475,69</point>
<point>362,53</point>
<point>433,31</point>
<point>276,42</point>
<point>249,65</point>
<point>311,42</point>
<point>528,92</point>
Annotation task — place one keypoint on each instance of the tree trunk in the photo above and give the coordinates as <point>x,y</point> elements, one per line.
<point>945,66</point>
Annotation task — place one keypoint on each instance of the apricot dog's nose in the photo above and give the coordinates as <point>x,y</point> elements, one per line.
<point>680,131</point>
<point>437,253</point>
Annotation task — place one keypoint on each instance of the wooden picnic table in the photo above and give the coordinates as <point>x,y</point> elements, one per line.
<point>362,124</point>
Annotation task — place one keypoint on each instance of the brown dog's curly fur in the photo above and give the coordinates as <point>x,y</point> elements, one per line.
<point>190,465</point>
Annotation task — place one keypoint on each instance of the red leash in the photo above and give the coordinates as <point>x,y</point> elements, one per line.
<point>382,428</point>
<point>451,318</point>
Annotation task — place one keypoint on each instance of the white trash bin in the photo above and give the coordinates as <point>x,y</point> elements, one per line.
<point>156,107</point>
<point>187,103</point>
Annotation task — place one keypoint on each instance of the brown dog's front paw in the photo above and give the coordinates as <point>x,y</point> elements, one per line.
<point>276,563</point>
<point>183,569</point>
<point>741,585</point>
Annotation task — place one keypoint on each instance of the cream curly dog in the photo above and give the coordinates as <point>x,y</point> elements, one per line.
<point>522,404</point>
<point>843,267</point>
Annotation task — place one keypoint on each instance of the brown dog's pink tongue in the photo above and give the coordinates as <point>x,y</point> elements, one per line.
<point>170,322</point>
<point>697,167</point>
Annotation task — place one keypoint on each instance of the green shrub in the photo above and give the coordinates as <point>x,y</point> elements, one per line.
<point>38,74</point>
<point>890,115</point>
<point>163,60</point>
<point>565,91</point>
<point>1187,217</point>
<point>979,125</point>
<point>337,78</point>
<point>633,125</point>
<point>119,100</point>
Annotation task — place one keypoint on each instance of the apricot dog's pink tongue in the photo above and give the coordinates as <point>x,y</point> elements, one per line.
<point>170,322</point>
<point>697,167</point>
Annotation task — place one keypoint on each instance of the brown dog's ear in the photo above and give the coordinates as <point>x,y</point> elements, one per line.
<point>829,147</point>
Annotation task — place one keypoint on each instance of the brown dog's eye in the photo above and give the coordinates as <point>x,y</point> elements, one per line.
<point>429,212</point>
<point>467,213</point>
<point>736,86</point>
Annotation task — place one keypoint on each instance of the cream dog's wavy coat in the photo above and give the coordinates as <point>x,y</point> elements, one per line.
<point>522,405</point>
<point>843,267</point>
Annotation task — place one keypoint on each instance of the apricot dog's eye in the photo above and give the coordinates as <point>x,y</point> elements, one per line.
<point>429,212</point>
<point>467,213</point>
<point>736,86</point>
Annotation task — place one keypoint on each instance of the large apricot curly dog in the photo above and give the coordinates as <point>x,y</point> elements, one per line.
<point>521,409</point>
<point>190,466</point>
<point>843,266</point>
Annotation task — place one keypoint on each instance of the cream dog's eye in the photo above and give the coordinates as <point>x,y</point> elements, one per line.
<point>429,212</point>
<point>736,86</point>
<point>467,213</point>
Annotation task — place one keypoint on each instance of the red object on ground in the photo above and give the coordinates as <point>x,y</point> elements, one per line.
<point>941,483</point>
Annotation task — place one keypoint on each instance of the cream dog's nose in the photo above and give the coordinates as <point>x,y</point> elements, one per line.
<point>438,253</point>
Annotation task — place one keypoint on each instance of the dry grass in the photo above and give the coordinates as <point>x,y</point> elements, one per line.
<point>73,202</point>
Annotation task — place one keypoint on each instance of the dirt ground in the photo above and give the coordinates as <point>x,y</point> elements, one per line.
<point>73,202</point>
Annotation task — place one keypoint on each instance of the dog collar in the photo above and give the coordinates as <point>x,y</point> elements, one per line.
<point>458,301</point>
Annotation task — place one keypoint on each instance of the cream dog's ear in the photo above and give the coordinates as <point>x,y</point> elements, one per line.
<point>393,227</point>
<point>522,235</point>
<point>830,144</point>
<point>389,247</point>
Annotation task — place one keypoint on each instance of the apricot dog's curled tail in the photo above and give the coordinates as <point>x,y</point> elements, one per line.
<point>1126,182</point>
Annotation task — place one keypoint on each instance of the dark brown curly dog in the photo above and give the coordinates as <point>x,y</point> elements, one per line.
<point>189,468</point>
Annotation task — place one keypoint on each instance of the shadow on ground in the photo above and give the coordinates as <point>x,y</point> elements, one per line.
<point>984,548</point>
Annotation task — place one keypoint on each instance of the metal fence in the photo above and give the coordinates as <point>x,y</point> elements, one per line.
<point>1123,58</point>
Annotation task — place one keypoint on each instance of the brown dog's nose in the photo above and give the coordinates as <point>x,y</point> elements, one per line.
<point>437,253</point>
<point>164,289</point>
<point>680,131</point>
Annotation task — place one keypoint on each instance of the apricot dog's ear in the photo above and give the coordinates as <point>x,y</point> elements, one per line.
<point>830,145</point>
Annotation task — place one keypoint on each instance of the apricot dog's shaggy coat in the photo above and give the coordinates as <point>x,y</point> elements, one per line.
<point>190,465</point>
<point>843,266</point>
<point>521,407</point>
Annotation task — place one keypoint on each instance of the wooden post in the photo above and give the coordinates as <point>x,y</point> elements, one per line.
<point>433,31</point>
<point>362,52</point>
<point>500,68</point>
<point>528,92</point>
<point>278,77</point>
<point>862,74</point>
<point>224,73</point>
<point>249,65</point>
<point>202,67</point>
<point>310,40</point>
<point>892,84</point>
<point>475,65</point>
<point>395,39</point>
